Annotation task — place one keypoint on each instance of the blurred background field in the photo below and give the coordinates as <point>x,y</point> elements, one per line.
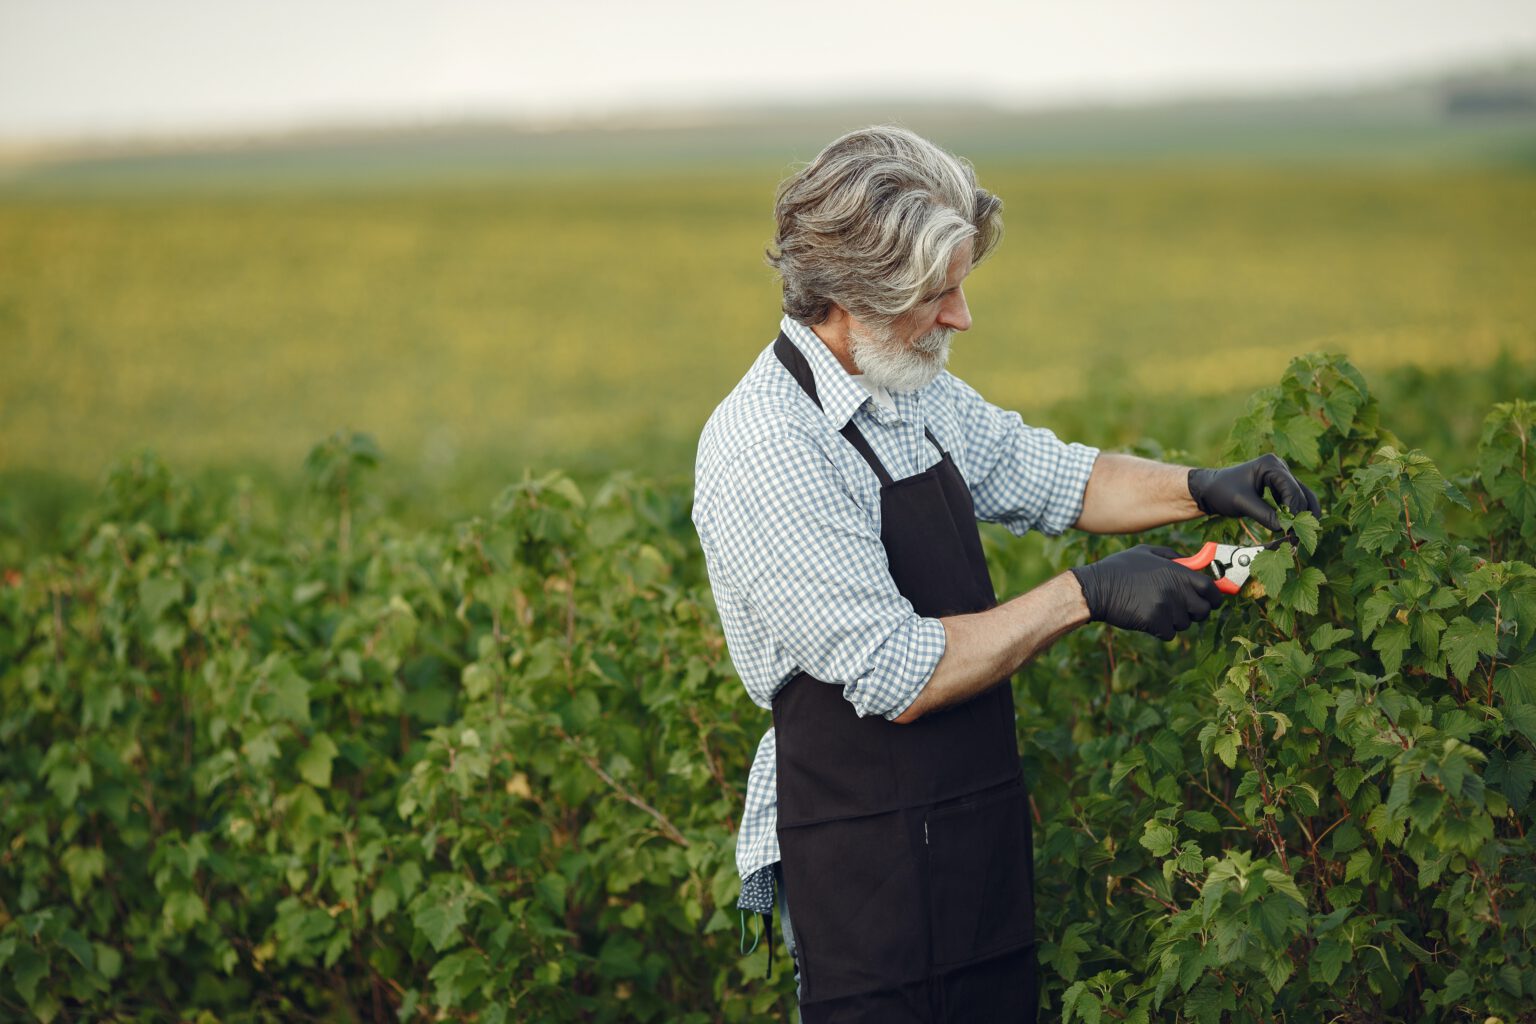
<point>486,299</point>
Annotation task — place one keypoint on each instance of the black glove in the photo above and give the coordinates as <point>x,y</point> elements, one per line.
<point>1239,490</point>
<point>1143,589</point>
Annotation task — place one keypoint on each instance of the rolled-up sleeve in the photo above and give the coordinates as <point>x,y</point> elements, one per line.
<point>1020,476</point>
<point>807,560</point>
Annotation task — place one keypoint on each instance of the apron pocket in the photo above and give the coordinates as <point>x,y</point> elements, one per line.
<point>854,896</point>
<point>981,872</point>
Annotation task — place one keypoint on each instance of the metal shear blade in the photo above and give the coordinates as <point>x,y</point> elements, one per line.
<point>1229,563</point>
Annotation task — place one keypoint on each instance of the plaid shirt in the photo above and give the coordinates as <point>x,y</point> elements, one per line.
<point>788,514</point>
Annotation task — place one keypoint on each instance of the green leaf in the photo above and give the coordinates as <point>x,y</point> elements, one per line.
<point>109,962</point>
<point>166,639</point>
<point>1135,758</point>
<point>1464,641</point>
<point>383,903</point>
<point>1301,591</point>
<point>1390,643</point>
<point>1522,718</point>
<point>67,779</point>
<point>314,763</point>
<point>1382,529</point>
<point>260,750</point>
<point>84,865</point>
<point>1065,954</point>
<point>183,909</point>
<point>1225,748</point>
<point>1069,999</point>
<point>440,920</point>
<point>1341,402</point>
<point>1328,959</point>
<point>1516,682</point>
<point>478,680</point>
<point>1307,800</point>
<point>1207,1002</point>
<point>101,702</point>
<point>1200,821</point>
<point>1384,825</point>
<point>1277,969</point>
<point>288,692</point>
<point>1360,864</point>
<point>1314,702</point>
<point>1296,440</point>
<point>1514,775</point>
<point>157,593</point>
<point>1327,635</point>
<point>552,888</point>
<point>1158,838</point>
<point>1458,985</point>
<point>1271,568</point>
<point>1271,915</point>
<point>1284,884</point>
<point>1347,780</point>
<point>1427,626</point>
<point>1078,1002</point>
<point>79,948</point>
<point>27,968</point>
<point>457,976</point>
<point>1375,610</point>
<point>1306,528</point>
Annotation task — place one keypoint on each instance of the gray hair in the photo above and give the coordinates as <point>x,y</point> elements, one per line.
<point>872,224</point>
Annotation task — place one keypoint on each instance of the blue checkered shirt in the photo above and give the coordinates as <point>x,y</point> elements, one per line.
<point>788,514</point>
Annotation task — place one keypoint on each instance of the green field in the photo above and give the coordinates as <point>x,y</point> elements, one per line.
<point>566,321</point>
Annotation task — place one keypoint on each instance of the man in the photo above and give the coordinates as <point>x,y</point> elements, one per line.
<point>838,489</point>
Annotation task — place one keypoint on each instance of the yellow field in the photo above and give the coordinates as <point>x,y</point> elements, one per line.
<point>542,320</point>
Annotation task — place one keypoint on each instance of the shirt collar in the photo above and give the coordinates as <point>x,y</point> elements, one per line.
<point>841,395</point>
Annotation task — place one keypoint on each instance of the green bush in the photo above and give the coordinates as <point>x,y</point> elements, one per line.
<point>1316,807</point>
<point>327,767</point>
<point>344,770</point>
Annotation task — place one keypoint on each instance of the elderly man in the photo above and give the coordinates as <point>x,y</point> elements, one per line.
<point>838,490</point>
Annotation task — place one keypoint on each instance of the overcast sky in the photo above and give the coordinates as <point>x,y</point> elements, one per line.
<point>78,67</point>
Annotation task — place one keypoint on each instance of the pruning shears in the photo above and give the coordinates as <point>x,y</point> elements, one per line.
<point>1228,562</point>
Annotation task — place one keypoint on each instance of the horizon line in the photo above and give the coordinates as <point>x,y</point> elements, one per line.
<point>664,114</point>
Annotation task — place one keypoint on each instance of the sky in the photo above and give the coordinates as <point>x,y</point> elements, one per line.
<point>73,69</point>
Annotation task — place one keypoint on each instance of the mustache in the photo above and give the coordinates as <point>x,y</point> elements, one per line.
<point>934,342</point>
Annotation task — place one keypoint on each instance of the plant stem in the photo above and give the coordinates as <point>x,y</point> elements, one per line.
<point>668,829</point>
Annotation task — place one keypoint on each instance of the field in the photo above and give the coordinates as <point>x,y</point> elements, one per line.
<point>474,330</point>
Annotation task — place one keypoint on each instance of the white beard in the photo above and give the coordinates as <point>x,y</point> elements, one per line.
<point>885,361</point>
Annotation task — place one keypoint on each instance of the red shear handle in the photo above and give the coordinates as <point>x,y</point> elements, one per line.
<point>1200,559</point>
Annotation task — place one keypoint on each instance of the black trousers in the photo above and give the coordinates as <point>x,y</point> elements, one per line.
<point>1002,989</point>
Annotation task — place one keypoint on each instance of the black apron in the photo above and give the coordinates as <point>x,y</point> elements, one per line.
<point>907,855</point>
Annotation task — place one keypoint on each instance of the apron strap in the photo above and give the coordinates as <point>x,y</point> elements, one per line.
<point>795,362</point>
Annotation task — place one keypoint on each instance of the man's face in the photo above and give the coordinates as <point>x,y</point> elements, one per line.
<point>909,354</point>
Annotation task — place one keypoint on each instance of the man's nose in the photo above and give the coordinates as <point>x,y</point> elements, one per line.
<point>954,313</point>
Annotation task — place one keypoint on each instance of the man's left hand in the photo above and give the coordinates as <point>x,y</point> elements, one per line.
<point>1239,490</point>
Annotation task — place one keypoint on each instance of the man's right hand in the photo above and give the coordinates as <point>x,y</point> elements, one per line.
<point>1144,589</point>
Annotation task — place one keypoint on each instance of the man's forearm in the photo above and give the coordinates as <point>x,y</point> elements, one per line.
<point>1126,494</point>
<point>984,647</point>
